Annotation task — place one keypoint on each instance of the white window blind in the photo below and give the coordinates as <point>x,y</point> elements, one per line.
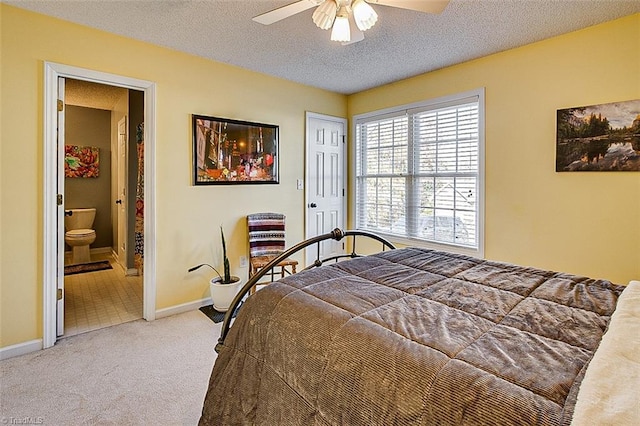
<point>417,173</point>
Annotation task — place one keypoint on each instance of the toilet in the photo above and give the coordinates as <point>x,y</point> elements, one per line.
<point>79,235</point>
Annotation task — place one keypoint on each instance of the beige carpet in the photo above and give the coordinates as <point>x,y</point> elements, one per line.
<point>138,373</point>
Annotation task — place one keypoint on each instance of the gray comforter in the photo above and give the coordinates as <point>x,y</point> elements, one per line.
<point>411,336</point>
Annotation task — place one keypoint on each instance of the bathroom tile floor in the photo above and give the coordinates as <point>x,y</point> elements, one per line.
<point>101,299</point>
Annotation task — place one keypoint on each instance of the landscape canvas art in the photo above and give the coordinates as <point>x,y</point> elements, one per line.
<point>603,137</point>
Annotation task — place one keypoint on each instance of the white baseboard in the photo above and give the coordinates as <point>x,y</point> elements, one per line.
<point>36,345</point>
<point>185,307</point>
<point>98,250</point>
<point>20,349</point>
<point>127,271</point>
<point>101,250</point>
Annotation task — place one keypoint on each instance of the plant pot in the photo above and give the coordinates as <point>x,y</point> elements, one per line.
<point>222,294</point>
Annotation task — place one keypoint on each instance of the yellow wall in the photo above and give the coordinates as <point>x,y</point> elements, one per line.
<point>583,223</point>
<point>188,217</point>
<point>586,223</point>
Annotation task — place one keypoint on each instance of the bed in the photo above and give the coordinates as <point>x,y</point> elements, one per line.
<point>414,336</point>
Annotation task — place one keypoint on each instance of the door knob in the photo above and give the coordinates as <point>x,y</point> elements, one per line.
<point>118,201</point>
<point>313,205</point>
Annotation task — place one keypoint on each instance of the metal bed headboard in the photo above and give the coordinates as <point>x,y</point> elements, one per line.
<point>337,234</point>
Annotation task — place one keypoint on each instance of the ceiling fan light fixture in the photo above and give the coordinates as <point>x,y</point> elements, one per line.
<point>325,14</point>
<point>364,15</point>
<point>341,30</point>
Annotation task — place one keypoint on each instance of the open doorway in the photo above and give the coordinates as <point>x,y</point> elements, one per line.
<point>54,193</point>
<point>103,184</point>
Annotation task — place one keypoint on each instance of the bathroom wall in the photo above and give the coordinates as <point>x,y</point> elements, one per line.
<point>91,127</point>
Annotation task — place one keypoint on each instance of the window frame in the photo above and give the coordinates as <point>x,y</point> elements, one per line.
<point>434,103</point>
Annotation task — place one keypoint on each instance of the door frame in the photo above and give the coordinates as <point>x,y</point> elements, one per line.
<point>308,140</point>
<point>60,151</point>
<point>51,235</point>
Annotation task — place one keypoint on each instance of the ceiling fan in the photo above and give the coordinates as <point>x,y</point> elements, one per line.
<point>341,15</point>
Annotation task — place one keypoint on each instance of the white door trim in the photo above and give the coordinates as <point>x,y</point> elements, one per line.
<point>50,168</point>
<point>60,211</point>
<point>308,117</point>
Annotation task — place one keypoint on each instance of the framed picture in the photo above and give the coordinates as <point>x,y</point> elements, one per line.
<point>81,161</point>
<point>603,137</point>
<point>229,151</point>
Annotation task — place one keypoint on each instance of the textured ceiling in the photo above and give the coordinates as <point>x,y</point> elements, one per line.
<point>402,44</point>
<point>92,95</point>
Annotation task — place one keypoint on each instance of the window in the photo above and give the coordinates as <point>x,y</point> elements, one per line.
<point>418,171</point>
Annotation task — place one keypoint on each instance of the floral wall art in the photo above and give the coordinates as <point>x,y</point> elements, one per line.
<point>603,137</point>
<point>81,161</point>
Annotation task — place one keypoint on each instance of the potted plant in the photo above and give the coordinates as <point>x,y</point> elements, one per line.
<point>223,287</point>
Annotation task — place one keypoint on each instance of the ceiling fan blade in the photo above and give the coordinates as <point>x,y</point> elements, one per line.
<point>427,6</point>
<point>356,34</point>
<point>285,11</point>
